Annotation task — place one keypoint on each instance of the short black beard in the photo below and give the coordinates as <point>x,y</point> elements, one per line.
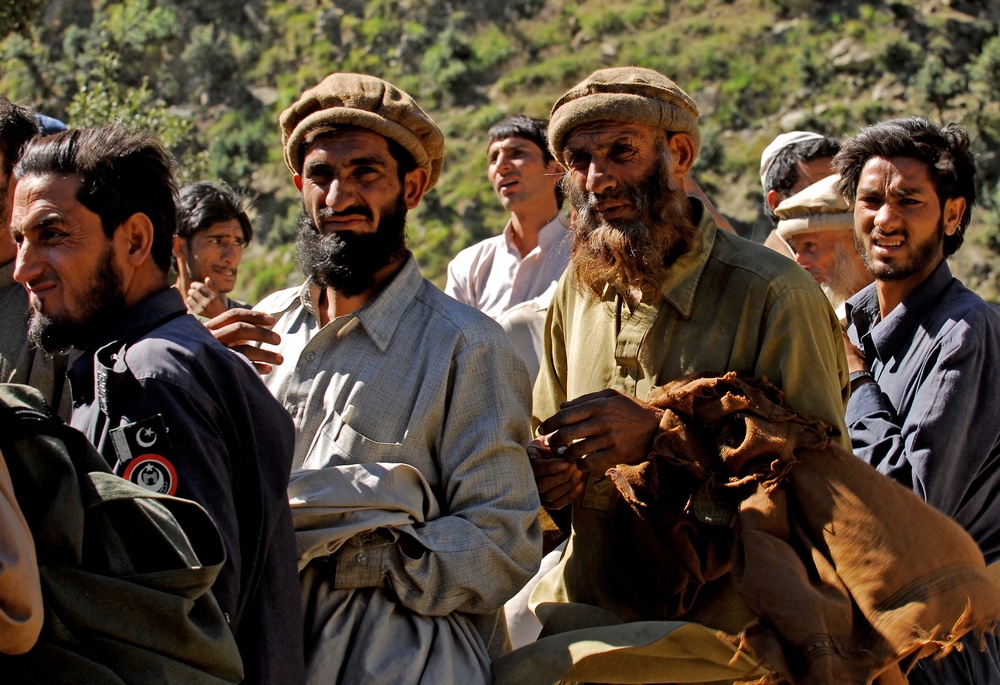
<point>347,261</point>
<point>926,253</point>
<point>105,307</point>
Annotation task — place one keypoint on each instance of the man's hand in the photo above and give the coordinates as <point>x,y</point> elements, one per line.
<point>204,299</point>
<point>236,328</point>
<point>602,429</point>
<point>559,481</point>
<point>855,357</point>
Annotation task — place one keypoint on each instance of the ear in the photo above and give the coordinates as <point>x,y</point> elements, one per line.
<point>773,198</point>
<point>414,187</point>
<point>954,210</point>
<point>297,180</point>
<point>681,146</point>
<point>135,238</point>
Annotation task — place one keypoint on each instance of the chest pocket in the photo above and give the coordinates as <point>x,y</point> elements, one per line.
<point>338,442</point>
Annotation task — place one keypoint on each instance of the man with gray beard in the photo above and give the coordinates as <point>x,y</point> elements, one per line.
<point>654,292</point>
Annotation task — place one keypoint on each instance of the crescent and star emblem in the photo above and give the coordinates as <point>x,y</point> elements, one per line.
<point>145,437</point>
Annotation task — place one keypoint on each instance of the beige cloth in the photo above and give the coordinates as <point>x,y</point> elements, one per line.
<point>851,577</point>
<point>20,589</point>
<point>345,509</point>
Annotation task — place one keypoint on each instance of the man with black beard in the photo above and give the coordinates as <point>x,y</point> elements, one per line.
<point>399,394</point>
<point>169,408</point>
<point>924,350</point>
<point>654,292</point>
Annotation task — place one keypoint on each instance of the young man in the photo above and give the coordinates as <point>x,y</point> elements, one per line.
<point>212,230</point>
<point>171,409</point>
<point>530,255</point>
<point>923,350</point>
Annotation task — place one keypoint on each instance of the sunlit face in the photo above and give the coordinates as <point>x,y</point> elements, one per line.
<point>347,178</point>
<point>215,252</point>
<point>899,223</point>
<point>71,270</point>
<point>816,251</point>
<point>520,177</point>
<point>604,159</point>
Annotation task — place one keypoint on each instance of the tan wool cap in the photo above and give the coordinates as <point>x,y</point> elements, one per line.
<point>626,94</point>
<point>820,207</point>
<point>368,102</point>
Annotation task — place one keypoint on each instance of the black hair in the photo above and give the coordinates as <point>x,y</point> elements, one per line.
<point>202,205</point>
<point>946,152</point>
<point>18,125</point>
<point>123,171</point>
<point>783,174</point>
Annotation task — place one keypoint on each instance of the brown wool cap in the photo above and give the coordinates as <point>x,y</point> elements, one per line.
<point>625,94</point>
<point>820,207</point>
<point>368,102</point>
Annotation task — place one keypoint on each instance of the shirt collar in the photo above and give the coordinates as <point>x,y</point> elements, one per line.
<point>549,235</point>
<point>685,274</point>
<point>888,334</point>
<point>380,316</point>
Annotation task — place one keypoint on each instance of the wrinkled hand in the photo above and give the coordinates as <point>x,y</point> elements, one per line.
<point>855,357</point>
<point>204,299</point>
<point>602,429</point>
<point>559,481</point>
<point>237,328</point>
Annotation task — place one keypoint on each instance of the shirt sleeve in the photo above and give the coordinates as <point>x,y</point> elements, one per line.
<point>458,284</point>
<point>487,543</point>
<point>803,354</point>
<point>20,588</point>
<point>936,448</point>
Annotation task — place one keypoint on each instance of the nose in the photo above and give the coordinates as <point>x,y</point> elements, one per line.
<point>232,252</point>
<point>338,196</point>
<point>598,179</point>
<point>27,266</point>
<point>885,218</point>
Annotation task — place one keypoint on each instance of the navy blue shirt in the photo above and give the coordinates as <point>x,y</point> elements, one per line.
<point>230,450</point>
<point>931,421</point>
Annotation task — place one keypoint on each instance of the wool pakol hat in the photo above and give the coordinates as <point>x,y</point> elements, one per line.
<point>820,207</point>
<point>780,143</point>
<point>626,94</point>
<point>367,102</point>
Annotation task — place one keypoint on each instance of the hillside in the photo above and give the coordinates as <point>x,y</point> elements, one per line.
<point>212,76</point>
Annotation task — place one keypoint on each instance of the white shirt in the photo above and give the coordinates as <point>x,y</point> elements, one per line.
<point>492,277</point>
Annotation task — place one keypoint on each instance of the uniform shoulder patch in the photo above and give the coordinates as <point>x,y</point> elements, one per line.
<point>152,472</point>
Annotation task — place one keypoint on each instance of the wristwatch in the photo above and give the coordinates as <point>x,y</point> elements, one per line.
<point>859,378</point>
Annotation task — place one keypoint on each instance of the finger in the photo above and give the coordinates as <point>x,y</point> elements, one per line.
<point>569,416</point>
<point>210,284</point>
<point>250,317</point>
<point>548,467</point>
<point>589,397</point>
<point>258,355</point>
<point>554,500</point>
<point>242,332</point>
<point>576,450</point>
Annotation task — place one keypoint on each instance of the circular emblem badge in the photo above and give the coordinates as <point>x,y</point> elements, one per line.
<point>152,472</point>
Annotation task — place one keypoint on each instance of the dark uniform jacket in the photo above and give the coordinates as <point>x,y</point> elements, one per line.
<point>174,410</point>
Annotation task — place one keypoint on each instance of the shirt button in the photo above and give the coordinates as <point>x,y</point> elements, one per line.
<point>362,558</point>
<point>310,356</point>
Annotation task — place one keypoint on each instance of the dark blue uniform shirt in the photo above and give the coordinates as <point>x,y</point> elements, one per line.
<point>230,450</point>
<point>932,419</point>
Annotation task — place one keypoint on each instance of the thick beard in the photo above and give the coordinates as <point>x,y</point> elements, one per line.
<point>348,261</point>
<point>104,303</point>
<point>634,253</point>
<point>926,252</point>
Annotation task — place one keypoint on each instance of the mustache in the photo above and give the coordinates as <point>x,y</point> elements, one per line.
<point>356,210</point>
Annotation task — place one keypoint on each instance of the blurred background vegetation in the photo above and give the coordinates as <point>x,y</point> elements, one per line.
<point>212,76</point>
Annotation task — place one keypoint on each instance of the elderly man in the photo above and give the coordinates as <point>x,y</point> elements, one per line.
<point>530,255</point>
<point>170,408</point>
<point>788,164</point>
<point>654,292</point>
<point>818,225</point>
<point>391,383</point>
<point>924,350</point>
<point>212,230</point>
